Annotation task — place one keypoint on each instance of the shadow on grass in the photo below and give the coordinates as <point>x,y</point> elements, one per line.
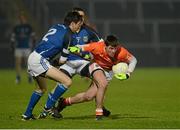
<point>113,117</point>
<point>123,116</point>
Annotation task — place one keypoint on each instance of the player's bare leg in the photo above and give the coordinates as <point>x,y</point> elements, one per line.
<point>41,84</point>
<point>90,94</point>
<point>85,96</point>
<point>55,74</point>
<point>63,83</point>
<point>101,82</point>
<point>41,88</point>
<point>78,98</point>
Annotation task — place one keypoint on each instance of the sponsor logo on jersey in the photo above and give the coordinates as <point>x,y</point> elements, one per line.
<point>85,39</point>
<point>78,39</point>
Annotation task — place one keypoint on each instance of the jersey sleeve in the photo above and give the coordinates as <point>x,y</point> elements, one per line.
<point>127,57</point>
<point>89,47</point>
<point>124,55</point>
<point>66,43</point>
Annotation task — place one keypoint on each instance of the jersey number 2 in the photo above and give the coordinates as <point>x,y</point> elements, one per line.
<point>50,32</point>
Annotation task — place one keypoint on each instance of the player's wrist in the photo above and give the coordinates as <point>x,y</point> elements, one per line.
<point>128,74</point>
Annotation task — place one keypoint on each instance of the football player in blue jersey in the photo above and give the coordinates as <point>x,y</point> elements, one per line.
<point>22,40</point>
<point>55,41</point>
<point>84,35</point>
<point>76,64</point>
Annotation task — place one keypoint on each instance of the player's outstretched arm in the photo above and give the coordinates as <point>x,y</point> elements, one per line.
<point>74,49</point>
<point>77,51</point>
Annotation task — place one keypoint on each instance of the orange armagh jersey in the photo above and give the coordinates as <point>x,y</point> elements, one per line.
<point>102,58</point>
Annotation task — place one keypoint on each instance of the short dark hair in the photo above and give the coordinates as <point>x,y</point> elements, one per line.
<point>72,17</point>
<point>78,9</point>
<point>112,40</point>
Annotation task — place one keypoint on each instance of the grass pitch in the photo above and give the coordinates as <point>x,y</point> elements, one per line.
<point>149,99</point>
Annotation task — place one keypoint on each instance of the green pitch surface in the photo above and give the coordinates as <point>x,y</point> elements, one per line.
<point>150,99</point>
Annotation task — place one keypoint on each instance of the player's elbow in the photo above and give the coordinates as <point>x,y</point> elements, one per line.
<point>62,62</point>
<point>132,64</point>
<point>135,60</point>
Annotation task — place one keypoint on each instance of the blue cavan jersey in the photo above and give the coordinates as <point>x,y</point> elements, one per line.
<point>21,35</point>
<point>56,41</point>
<point>84,36</point>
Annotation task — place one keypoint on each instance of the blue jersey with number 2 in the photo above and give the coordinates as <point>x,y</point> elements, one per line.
<point>57,38</point>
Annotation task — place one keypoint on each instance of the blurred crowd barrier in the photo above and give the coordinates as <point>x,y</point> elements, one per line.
<point>149,28</point>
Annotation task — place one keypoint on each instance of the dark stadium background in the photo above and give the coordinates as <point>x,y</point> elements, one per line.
<point>149,28</point>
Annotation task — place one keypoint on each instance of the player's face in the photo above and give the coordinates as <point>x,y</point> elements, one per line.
<point>22,19</point>
<point>76,26</point>
<point>111,50</point>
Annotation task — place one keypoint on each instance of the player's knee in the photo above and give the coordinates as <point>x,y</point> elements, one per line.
<point>106,84</point>
<point>88,97</point>
<point>103,84</point>
<point>68,82</point>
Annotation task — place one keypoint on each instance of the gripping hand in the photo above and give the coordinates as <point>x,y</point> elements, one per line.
<point>74,49</point>
<point>86,56</point>
<point>122,76</point>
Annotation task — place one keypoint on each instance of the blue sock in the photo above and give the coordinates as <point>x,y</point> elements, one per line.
<point>52,98</point>
<point>33,101</point>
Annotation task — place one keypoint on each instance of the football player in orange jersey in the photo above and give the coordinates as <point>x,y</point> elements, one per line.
<point>105,54</point>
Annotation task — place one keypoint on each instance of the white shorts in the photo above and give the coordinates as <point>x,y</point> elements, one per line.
<point>21,52</point>
<point>74,66</point>
<point>109,75</point>
<point>77,67</point>
<point>37,64</point>
<point>94,66</point>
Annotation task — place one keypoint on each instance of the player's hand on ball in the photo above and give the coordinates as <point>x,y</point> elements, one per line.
<point>74,49</point>
<point>122,76</point>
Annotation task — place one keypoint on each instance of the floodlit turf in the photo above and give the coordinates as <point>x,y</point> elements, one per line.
<point>150,99</point>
